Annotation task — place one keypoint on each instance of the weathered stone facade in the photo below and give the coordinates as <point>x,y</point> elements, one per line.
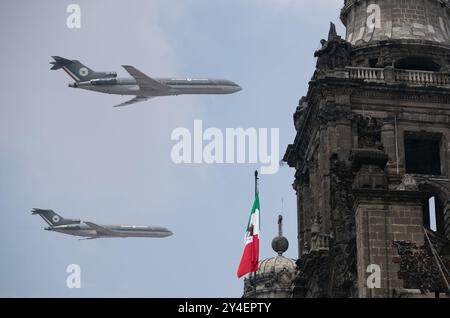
<point>373,148</point>
<point>369,20</point>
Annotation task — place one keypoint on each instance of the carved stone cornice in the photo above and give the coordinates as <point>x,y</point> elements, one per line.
<point>333,113</point>
<point>400,92</point>
<point>361,157</point>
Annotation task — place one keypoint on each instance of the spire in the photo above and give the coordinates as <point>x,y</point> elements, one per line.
<point>280,244</point>
<point>280,225</point>
<point>332,34</point>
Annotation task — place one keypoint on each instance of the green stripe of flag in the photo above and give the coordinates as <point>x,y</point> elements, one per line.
<point>254,208</point>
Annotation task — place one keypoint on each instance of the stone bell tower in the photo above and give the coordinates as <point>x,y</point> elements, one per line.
<point>372,155</point>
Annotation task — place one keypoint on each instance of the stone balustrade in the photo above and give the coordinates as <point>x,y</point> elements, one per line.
<point>401,76</point>
<point>422,77</point>
<point>366,73</point>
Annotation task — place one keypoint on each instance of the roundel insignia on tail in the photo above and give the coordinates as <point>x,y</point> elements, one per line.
<point>56,218</point>
<point>83,71</point>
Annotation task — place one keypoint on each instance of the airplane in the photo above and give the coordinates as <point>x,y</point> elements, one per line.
<point>140,85</point>
<point>91,230</point>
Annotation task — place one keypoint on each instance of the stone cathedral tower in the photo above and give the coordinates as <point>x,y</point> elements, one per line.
<point>372,155</point>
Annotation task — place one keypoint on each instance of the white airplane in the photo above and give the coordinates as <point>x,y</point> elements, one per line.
<point>91,230</point>
<point>139,85</point>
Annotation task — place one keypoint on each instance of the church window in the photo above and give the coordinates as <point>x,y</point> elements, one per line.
<point>422,154</point>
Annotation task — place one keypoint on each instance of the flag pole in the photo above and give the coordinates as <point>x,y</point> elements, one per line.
<point>254,273</point>
<point>256,182</point>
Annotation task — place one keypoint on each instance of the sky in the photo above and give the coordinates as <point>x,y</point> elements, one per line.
<point>69,150</point>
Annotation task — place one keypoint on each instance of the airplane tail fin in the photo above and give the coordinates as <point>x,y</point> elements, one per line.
<point>52,218</point>
<point>59,62</point>
<point>75,69</point>
<point>78,71</point>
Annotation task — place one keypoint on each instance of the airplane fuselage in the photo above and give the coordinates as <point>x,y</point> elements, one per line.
<point>176,86</point>
<point>121,230</point>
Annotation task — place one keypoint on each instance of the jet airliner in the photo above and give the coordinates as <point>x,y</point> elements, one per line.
<point>91,230</point>
<point>139,85</point>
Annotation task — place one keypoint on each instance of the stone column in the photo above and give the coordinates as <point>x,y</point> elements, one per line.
<point>382,216</point>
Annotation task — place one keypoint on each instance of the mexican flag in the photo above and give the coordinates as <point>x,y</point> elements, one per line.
<point>250,257</point>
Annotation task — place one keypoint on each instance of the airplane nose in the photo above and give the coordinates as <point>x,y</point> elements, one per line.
<point>73,85</point>
<point>238,88</point>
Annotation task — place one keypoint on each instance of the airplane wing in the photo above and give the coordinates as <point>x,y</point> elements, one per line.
<point>145,82</point>
<point>102,230</point>
<point>134,100</point>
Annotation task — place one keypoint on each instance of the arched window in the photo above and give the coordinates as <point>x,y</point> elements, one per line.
<point>433,214</point>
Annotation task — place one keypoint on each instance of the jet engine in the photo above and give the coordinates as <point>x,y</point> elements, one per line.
<point>104,81</point>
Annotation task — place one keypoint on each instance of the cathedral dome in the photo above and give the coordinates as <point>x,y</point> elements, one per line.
<point>283,266</point>
<point>274,279</point>
<point>275,275</point>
